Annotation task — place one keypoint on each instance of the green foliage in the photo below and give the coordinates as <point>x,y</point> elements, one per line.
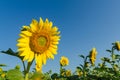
<point>40,76</point>
<point>108,69</point>
<point>3,65</point>
<point>14,74</point>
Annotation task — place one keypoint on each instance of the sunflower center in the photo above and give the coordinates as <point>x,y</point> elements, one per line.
<point>39,42</point>
<point>42,41</point>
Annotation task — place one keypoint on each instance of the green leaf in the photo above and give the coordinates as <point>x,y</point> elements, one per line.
<point>12,53</point>
<point>81,65</point>
<point>54,76</point>
<point>117,56</point>
<point>78,68</point>
<point>82,56</point>
<point>3,65</point>
<point>108,50</point>
<point>14,74</point>
<point>2,78</point>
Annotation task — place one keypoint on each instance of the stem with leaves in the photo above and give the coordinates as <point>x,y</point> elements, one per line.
<point>84,68</point>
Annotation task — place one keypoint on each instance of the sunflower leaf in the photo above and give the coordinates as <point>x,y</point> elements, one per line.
<point>11,52</point>
<point>117,56</point>
<point>82,56</point>
<point>108,50</point>
<point>3,65</point>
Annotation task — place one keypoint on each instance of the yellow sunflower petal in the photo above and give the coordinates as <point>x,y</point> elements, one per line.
<point>24,40</point>
<point>54,29</point>
<point>22,53</point>
<point>38,67</point>
<point>26,57</point>
<point>55,43</point>
<point>21,45</point>
<point>22,35</point>
<point>41,24</point>
<point>49,55</point>
<point>46,25</point>
<point>21,49</point>
<point>54,46</point>
<point>50,25</point>
<point>44,58</point>
<point>27,33</point>
<point>38,59</point>
<point>34,25</point>
<point>25,52</point>
<point>26,27</point>
<point>55,38</point>
<point>53,50</point>
<point>31,56</point>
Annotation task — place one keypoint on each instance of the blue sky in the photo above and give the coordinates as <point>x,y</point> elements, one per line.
<point>84,24</point>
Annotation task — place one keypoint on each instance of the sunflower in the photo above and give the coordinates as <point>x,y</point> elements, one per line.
<point>39,41</point>
<point>64,61</point>
<point>117,44</point>
<point>68,73</point>
<point>93,54</point>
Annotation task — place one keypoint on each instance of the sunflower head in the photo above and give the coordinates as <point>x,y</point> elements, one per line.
<point>68,73</point>
<point>117,45</point>
<point>93,54</point>
<point>39,40</point>
<point>64,61</point>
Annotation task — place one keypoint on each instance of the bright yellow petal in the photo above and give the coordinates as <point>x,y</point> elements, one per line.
<point>53,50</point>
<point>27,33</point>
<point>26,27</point>
<point>21,45</point>
<point>24,40</point>
<point>55,38</point>
<point>50,25</point>
<point>38,59</point>
<point>31,56</point>
<point>22,35</point>
<point>26,50</point>
<point>54,29</point>
<point>26,57</point>
<point>44,58</point>
<point>38,68</point>
<point>34,25</point>
<point>54,46</point>
<point>46,25</point>
<point>21,49</point>
<point>41,24</point>
<point>49,55</point>
<point>55,43</point>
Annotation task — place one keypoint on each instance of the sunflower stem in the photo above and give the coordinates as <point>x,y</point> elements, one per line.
<point>60,70</point>
<point>26,77</point>
<point>112,53</point>
<point>84,68</point>
<point>24,67</point>
<point>28,68</point>
<point>29,65</point>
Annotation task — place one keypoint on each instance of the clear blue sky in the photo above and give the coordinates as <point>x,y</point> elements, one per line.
<point>84,24</point>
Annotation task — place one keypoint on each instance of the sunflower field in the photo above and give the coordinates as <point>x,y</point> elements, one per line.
<point>39,42</point>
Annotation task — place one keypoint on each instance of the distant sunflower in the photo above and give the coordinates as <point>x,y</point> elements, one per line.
<point>117,44</point>
<point>39,41</point>
<point>64,61</point>
<point>93,54</point>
